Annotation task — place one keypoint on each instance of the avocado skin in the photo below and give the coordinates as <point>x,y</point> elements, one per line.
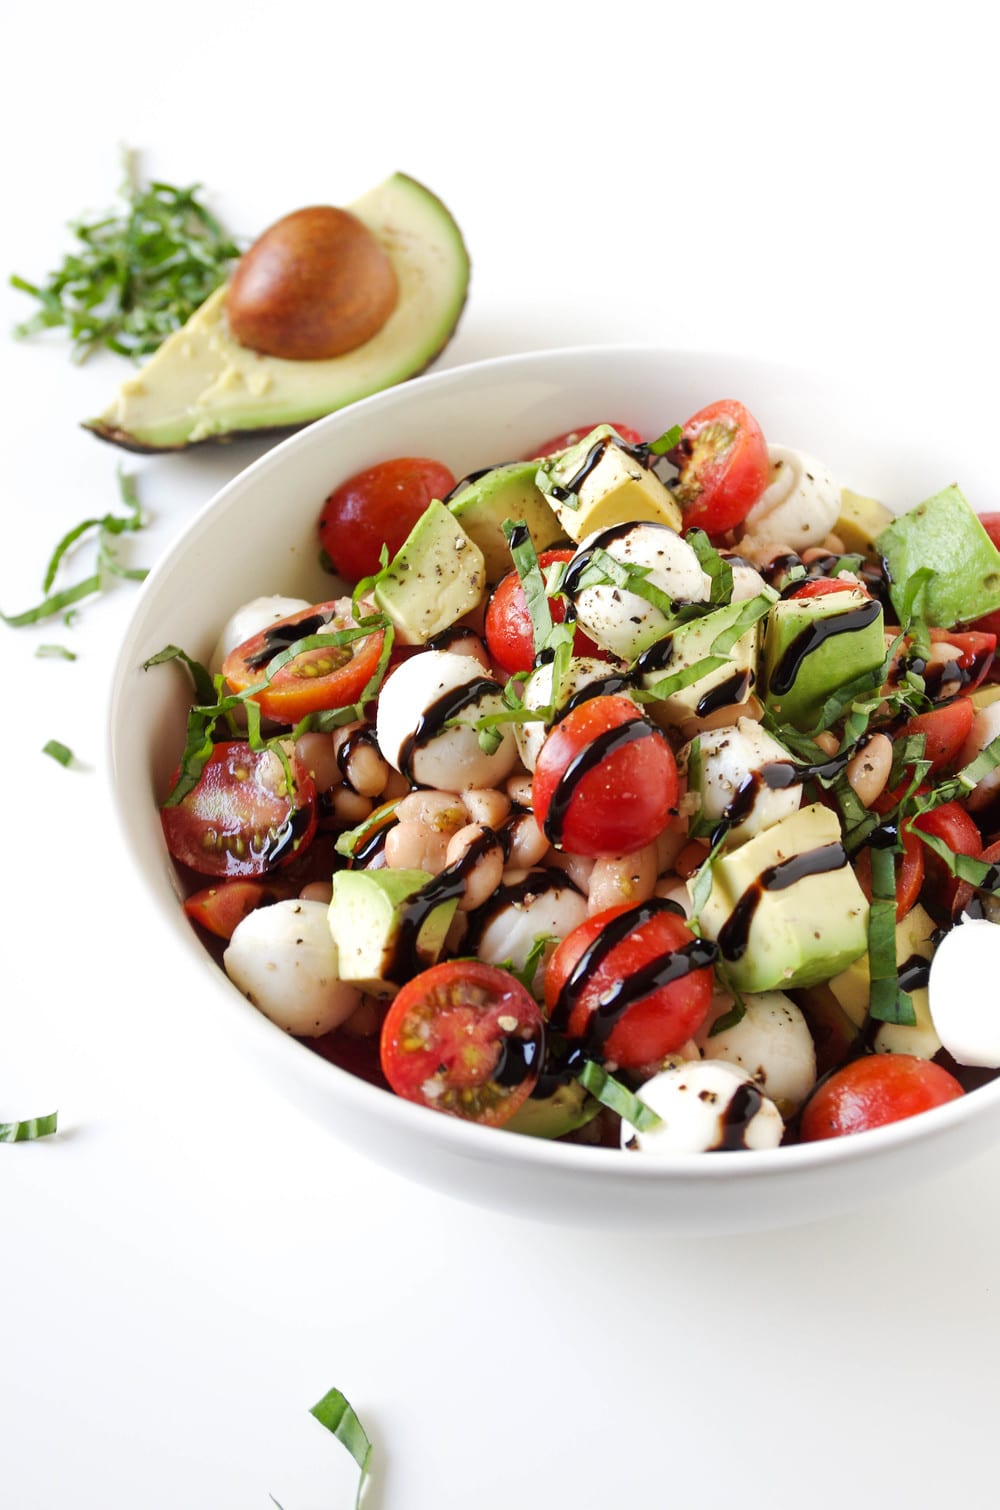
<point>171,403</point>
<point>943,532</point>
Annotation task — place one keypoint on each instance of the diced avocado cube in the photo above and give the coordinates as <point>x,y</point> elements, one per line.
<point>600,483</point>
<point>678,655</point>
<point>813,647</point>
<point>860,522</point>
<point>387,926</point>
<point>436,577</point>
<point>508,492</point>
<point>786,908</point>
<point>945,533</point>
<point>852,988</point>
<point>568,1108</point>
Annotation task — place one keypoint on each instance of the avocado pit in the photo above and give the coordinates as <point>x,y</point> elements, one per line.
<point>316,284</point>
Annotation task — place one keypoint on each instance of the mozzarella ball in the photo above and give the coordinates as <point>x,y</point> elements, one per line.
<point>771,1041</point>
<point>582,671</point>
<point>620,621</point>
<point>963,1006</point>
<point>254,617</point>
<point>730,759</point>
<point>985,728</point>
<point>528,904</point>
<point>747,580</point>
<point>415,708</point>
<point>283,958</point>
<point>706,1106</point>
<point>800,505</point>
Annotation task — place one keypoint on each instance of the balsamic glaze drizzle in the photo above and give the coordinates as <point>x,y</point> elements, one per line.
<point>734,934</point>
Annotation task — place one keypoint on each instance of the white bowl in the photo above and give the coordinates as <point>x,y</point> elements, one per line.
<point>258,536</point>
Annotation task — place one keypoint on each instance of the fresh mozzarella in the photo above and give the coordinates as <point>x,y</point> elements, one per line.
<point>962,1006</point>
<point>747,580</point>
<point>251,619</point>
<point>582,671</point>
<point>284,960</point>
<point>800,505</point>
<point>771,1041</point>
<point>529,905</point>
<point>732,758</point>
<point>704,1106</point>
<point>621,621</point>
<point>415,728</point>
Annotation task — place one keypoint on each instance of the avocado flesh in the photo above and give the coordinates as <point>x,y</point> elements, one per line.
<point>506,492</point>
<point>568,1108</point>
<point>786,908</point>
<point>945,533</point>
<point>435,578</point>
<point>815,646</point>
<point>203,385</point>
<point>852,989</point>
<point>597,484</point>
<point>385,926</point>
<point>860,522</point>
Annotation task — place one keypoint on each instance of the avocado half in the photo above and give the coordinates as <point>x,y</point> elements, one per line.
<point>202,385</point>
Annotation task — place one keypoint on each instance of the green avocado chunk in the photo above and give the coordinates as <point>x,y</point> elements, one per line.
<point>944,533</point>
<point>507,492</point>
<point>203,385</point>
<point>786,908</point>
<point>382,928</point>
<point>815,646</point>
<point>434,579</point>
<point>568,1108</point>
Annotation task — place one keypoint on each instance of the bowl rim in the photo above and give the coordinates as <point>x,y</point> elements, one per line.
<point>472,1140</point>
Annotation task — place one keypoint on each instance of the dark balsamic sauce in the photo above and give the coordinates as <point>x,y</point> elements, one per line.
<point>743,1107</point>
<point>604,686</point>
<point>282,636</point>
<point>582,560</point>
<point>734,935</point>
<point>363,738</point>
<point>585,761</point>
<point>814,636</point>
<point>914,973</point>
<point>515,894</point>
<point>733,690</point>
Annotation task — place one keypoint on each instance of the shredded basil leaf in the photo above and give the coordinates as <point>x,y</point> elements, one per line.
<point>58,751</point>
<point>716,567</point>
<point>536,598</point>
<point>617,1097</point>
<point>29,1130</point>
<point>336,1413</point>
<point>667,441</point>
<point>887,1003</point>
<point>54,652</point>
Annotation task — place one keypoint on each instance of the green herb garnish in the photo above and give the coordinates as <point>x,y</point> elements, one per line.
<point>336,1413</point>
<point>887,1002</point>
<point>617,1097</point>
<point>137,273</point>
<point>58,751</point>
<point>54,652</point>
<point>29,1130</point>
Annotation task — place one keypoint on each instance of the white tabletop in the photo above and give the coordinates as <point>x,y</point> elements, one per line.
<point>190,1264</point>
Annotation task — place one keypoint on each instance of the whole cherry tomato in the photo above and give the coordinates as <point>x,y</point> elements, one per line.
<point>724,467</point>
<point>508,623</point>
<point>873,1091</point>
<point>378,507</point>
<point>605,781</point>
<point>631,984</point>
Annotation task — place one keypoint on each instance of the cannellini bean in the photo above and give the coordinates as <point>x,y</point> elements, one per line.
<point>317,891</point>
<point>526,842</point>
<point>485,876</point>
<point>360,761</point>
<point>669,845</point>
<point>487,806</point>
<point>627,879</point>
<point>672,889</point>
<point>518,788</point>
<point>347,807</point>
<point>318,755</point>
<point>443,811</point>
<point>834,545</point>
<point>985,727</point>
<point>416,846</point>
<point>828,743</point>
<point>868,770</point>
<point>366,1020</point>
<point>579,868</point>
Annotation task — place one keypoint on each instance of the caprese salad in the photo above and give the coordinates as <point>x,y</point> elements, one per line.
<point>643,790</point>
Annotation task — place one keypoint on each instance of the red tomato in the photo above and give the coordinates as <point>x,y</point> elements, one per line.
<point>605,781</point>
<point>820,587</point>
<point>978,652</point>
<point>953,824</point>
<point>945,731</point>
<point>631,984</point>
<point>909,873</point>
<point>570,437</point>
<point>378,507</point>
<point>220,909</point>
<point>239,820</point>
<point>464,1038</point>
<point>873,1091</point>
<point>508,623</point>
<point>964,892</point>
<point>724,467</point>
<point>326,678</point>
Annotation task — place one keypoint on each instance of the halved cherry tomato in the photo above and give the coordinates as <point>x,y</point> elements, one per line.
<point>909,873</point>
<point>240,819</point>
<point>378,507</point>
<point>724,467</point>
<point>820,587</point>
<point>953,824</point>
<point>964,892</point>
<point>631,984</point>
<point>464,1038</point>
<point>978,650</point>
<point>945,731</point>
<point>570,437</point>
<point>332,677</point>
<point>606,781</point>
<point>873,1091</point>
<point>508,623</point>
<point>221,909</point>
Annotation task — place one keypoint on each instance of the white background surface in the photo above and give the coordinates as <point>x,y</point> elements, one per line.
<point>190,1264</point>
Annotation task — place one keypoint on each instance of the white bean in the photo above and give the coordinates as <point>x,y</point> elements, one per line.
<point>628,879</point>
<point>868,770</point>
<point>518,788</point>
<point>347,807</point>
<point>442,811</point>
<point>318,754</point>
<point>486,874</point>
<point>487,806</point>
<point>416,846</point>
<point>527,842</point>
<point>317,891</point>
